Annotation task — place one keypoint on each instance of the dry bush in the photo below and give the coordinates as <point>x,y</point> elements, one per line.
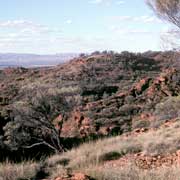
<point>140,124</point>
<point>169,108</point>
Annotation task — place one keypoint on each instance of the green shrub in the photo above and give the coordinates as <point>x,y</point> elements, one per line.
<point>169,108</point>
<point>140,124</point>
<point>63,161</point>
<point>110,156</point>
<point>31,124</point>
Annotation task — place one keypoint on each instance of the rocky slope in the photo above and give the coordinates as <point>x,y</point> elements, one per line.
<point>108,93</point>
<point>117,113</point>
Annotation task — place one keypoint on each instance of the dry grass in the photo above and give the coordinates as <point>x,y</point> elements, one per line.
<point>131,172</point>
<point>93,154</point>
<point>90,157</point>
<point>162,141</point>
<point>24,170</point>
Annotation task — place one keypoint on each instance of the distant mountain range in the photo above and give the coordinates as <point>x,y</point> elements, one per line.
<point>33,60</point>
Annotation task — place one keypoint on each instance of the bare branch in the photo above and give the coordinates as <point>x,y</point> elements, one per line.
<point>40,143</point>
<point>168,10</point>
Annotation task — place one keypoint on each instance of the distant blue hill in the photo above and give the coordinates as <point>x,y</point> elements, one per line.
<point>33,60</point>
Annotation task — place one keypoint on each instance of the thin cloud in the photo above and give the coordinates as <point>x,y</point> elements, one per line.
<point>107,2</point>
<point>120,2</point>
<point>132,31</point>
<point>143,19</point>
<point>101,2</point>
<point>23,33</point>
<point>26,26</point>
<point>96,1</point>
<point>69,21</point>
<point>18,24</point>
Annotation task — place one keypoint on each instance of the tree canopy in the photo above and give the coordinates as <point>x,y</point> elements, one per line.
<point>168,10</point>
<point>32,122</point>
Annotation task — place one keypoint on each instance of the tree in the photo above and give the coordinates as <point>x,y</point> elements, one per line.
<point>95,53</point>
<point>168,10</point>
<point>32,125</point>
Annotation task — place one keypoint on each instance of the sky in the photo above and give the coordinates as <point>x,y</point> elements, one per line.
<point>61,26</point>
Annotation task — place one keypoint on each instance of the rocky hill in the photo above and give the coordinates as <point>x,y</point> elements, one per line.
<point>105,94</point>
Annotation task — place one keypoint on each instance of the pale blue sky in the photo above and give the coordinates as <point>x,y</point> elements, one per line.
<point>55,26</point>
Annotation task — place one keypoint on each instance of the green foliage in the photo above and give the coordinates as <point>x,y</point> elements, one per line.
<point>63,161</point>
<point>140,124</point>
<point>32,122</point>
<point>110,156</point>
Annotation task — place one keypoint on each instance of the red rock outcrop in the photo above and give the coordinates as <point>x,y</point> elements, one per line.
<point>147,162</point>
<point>107,91</point>
<point>109,115</point>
